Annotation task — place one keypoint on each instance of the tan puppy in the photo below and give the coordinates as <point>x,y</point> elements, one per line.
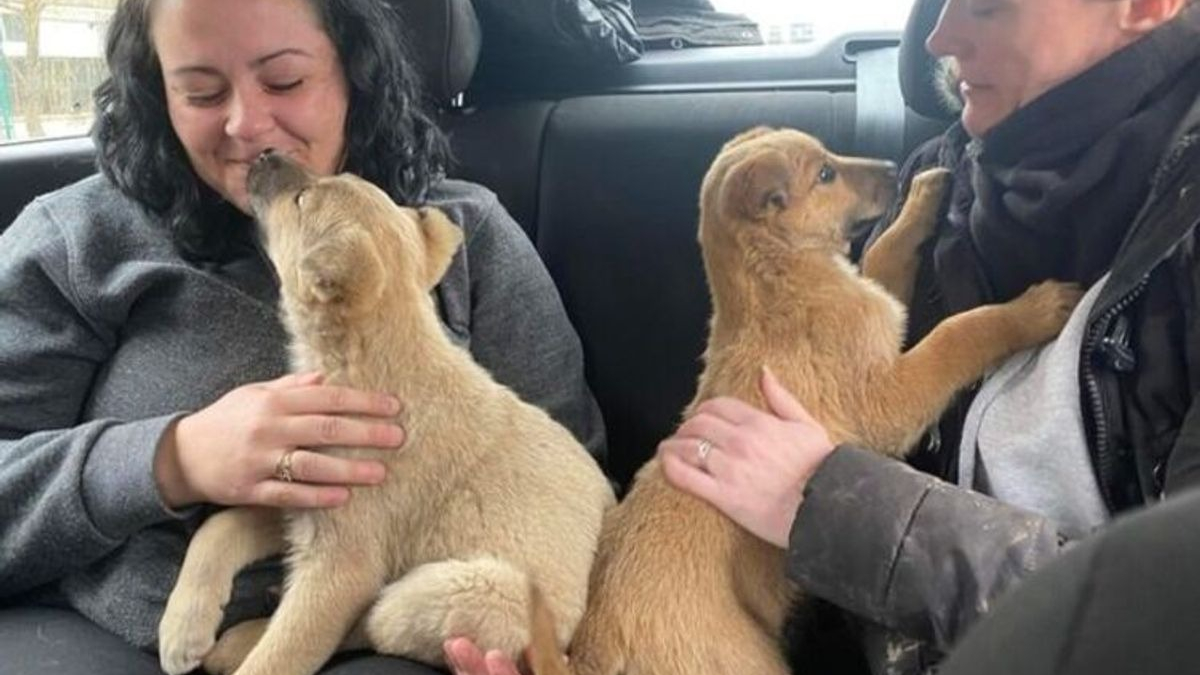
<point>488,495</point>
<point>677,588</point>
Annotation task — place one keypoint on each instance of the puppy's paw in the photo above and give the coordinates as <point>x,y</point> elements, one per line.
<point>187,631</point>
<point>233,647</point>
<point>930,185</point>
<point>925,196</point>
<point>919,216</point>
<point>1043,309</point>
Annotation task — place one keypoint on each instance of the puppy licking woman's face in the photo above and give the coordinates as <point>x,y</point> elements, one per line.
<point>242,76</point>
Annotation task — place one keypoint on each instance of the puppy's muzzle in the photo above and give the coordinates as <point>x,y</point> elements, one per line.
<point>874,182</point>
<point>273,175</point>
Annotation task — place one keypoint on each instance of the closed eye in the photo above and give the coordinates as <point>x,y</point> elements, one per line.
<point>287,86</point>
<point>205,100</point>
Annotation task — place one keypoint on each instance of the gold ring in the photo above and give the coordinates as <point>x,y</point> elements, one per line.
<point>283,468</point>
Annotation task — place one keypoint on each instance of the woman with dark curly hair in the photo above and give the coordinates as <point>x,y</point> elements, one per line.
<point>142,362</point>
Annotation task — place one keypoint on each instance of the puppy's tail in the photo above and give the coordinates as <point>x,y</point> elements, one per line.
<point>543,655</point>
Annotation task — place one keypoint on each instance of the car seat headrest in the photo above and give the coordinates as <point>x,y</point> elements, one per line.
<point>446,38</point>
<point>917,66</point>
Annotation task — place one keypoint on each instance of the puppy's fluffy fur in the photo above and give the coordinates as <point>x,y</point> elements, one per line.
<point>488,496</point>
<point>677,588</point>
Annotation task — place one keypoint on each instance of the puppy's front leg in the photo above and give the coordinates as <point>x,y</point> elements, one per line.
<point>892,260</point>
<point>959,351</point>
<point>326,594</point>
<point>226,542</point>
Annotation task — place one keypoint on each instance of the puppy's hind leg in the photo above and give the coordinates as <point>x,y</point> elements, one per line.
<point>892,260</point>
<point>485,599</point>
<point>226,542</point>
<point>233,646</point>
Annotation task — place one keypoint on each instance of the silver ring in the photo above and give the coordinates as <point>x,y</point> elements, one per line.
<point>703,449</point>
<point>283,468</point>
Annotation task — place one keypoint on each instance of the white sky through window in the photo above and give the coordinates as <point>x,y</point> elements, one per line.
<point>825,19</point>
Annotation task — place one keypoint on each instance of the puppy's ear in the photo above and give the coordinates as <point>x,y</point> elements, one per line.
<point>747,135</point>
<point>343,268</point>
<point>757,186</point>
<point>442,239</point>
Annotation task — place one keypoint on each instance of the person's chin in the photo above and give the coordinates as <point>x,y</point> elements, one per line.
<point>236,194</point>
<point>978,120</point>
<point>233,186</point>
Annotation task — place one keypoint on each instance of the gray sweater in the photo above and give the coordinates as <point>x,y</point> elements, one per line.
<point>107,335</point>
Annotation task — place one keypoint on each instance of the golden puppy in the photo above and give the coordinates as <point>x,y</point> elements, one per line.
<point>678,589</point>
<point>488,495</point>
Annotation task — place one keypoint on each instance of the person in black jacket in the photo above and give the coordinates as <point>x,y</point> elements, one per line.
<point>1077,157</point>
<point>1121,602</point>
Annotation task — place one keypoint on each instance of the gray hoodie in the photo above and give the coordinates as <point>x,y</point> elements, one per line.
<point>107,335</point>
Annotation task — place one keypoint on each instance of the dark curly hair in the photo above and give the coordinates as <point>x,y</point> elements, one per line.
<point>390,139</point>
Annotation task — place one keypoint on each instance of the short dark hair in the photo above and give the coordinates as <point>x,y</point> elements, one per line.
<point>391,140</point>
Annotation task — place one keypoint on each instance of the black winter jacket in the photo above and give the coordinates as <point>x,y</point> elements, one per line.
<point>909,551</point>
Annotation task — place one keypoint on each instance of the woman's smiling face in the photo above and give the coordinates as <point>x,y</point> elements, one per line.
<point>242,76</point>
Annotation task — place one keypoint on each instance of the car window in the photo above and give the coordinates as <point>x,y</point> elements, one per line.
<point>52,51</point>
<point>51,57</point>
<point>793,21</point>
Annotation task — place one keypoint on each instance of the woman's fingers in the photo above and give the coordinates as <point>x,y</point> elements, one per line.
<point>313,467</point>
<point>706,426</point>
<point>781,401</point>
<point>499,664</point>
<point>298,495</point>
<point>735,411</point>
<point>683,471</point>
<point>692,452</point>
<point>327,430</point>
<point>295,380</point>
<point>333,399</point>
<point>464,658</point>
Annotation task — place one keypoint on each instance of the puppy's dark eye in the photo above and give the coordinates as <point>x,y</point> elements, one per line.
<point>827,174</point>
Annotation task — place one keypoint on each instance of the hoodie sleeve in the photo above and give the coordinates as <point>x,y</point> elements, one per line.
<point>519,328</point>
<point>70,492</point>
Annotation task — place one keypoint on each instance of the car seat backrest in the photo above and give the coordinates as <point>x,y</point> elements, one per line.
<point>616,226</point>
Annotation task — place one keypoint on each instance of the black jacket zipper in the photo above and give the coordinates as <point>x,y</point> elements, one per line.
<point>1115,348</point>
<point>1122,359</point>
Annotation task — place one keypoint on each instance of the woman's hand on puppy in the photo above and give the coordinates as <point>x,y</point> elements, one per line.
<point>465,658</point>
<point>243,447</point>
<point>752,465</point>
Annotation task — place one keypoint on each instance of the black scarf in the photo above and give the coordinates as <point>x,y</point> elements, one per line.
<point>1055,187</point>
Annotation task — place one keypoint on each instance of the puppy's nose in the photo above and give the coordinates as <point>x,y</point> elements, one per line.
<point>272,174</point>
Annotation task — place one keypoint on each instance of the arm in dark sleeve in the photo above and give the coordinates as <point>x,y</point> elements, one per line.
<point>907,550</point>
<point>70,492</point>
<point>520,331</point>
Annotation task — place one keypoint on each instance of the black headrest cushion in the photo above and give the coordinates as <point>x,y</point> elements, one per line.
<point>445,38</point>
<point>917,66</point>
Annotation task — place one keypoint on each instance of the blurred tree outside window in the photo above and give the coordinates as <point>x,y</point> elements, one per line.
<point>51,58</point>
